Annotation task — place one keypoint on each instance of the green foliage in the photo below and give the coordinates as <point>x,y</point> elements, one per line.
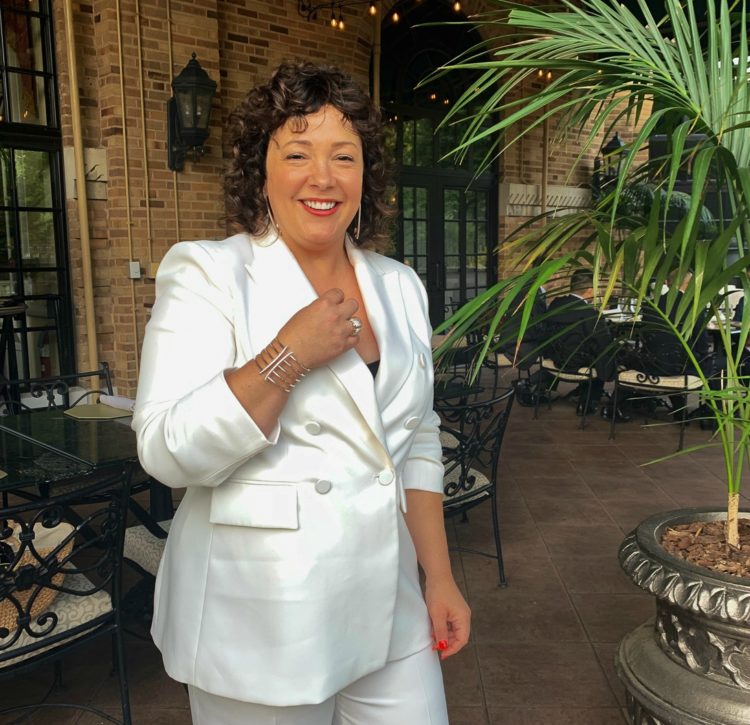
<point>683,74</point>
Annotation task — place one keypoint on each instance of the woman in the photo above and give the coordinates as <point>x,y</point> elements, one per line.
<point>288,591</point>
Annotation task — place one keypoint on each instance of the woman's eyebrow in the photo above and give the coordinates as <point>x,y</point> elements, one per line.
<point>306,142</point>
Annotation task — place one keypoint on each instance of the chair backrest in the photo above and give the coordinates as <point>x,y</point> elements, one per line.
<point>61,391</point>
<point>455,369</point>
<point>472,436</point>
<point>61,568</point>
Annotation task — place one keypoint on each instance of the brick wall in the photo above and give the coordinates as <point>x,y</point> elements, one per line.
<point>238,42</point>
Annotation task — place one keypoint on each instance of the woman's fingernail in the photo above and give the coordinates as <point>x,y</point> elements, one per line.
<point>442,644</point>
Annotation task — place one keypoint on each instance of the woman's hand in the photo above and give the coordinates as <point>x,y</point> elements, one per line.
<point>321,331</point>
<point>450,616</point>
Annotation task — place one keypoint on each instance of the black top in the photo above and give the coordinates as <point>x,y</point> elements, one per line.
<point>373,367</point>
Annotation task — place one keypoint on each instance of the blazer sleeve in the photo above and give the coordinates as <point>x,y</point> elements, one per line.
<point>191,429</point>
<point>424,469</point>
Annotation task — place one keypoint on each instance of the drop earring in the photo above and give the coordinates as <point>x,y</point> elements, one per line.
<point>359,223</point>
<point>274,225</point>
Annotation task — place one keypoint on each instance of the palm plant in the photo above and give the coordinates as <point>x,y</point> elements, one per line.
<point>682,75</point>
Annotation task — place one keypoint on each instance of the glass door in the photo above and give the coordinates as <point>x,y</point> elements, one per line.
<point>33,248</point>
<point>447,224</point>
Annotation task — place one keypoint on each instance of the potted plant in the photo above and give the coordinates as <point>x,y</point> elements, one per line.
<point>686,78</point>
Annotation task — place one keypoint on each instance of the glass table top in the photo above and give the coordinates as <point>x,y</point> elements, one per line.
<point>55,445</point>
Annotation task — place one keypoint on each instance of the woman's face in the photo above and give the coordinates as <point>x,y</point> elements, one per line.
<point>314,180</point>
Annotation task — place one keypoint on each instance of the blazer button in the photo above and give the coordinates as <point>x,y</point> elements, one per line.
<point>312,427</point>
<point>411,423</point>
<point>323,486</point>
<point>385,477</point>
<point>422,360</point>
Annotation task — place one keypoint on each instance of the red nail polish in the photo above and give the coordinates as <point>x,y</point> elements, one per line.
<point>442,644</point>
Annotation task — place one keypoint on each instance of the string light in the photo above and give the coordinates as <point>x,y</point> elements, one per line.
<point>373,9</point>
<point>395,17</point>
<point>341,21</point>
<point>457,6</point>
<point>334,23</point>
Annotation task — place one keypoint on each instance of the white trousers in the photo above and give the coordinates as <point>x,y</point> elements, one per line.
<point>409,690</point>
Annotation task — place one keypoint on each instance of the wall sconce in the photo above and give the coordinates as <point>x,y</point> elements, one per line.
<point>607,165</point>
<point>188,114</point>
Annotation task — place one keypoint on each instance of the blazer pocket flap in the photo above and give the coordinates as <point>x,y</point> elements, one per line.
<point>264,505</point>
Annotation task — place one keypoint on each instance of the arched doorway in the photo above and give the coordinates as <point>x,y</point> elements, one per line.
<point>447,226</point>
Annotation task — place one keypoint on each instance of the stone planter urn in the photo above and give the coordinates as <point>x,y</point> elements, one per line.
<point>692,664</point>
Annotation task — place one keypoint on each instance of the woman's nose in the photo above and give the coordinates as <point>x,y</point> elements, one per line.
<point>321,174</point>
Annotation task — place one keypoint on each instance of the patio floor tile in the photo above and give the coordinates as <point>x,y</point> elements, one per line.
<point>543,647</point>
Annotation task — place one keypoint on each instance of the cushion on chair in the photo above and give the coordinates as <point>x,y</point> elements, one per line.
<point>503,361</point>
<point>72,610</point>
<point>448,440</point>
<point>143,548</point>
<point>656,383</point>
<point>568,376</point>
<point>477,491</point>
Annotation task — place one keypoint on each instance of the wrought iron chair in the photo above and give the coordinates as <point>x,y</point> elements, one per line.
<point>60,391</point>
<point>455,368</point>
<point>472,436</point>
<point>142,551</point>
<point>645,376</point>
<point>556,373</point>
<point>60,578</point>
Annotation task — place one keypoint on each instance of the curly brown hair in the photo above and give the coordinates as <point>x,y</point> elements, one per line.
<point>295,91</point>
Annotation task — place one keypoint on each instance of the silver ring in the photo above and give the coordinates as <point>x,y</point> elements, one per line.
<point>356,325</point>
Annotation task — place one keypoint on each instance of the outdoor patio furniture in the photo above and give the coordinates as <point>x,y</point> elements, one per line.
<point>60,560</point>
<point>555,374</point>
<point>472,436</point>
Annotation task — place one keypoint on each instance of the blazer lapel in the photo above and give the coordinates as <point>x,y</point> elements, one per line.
<point>280,290</point>
<point>381,292</point>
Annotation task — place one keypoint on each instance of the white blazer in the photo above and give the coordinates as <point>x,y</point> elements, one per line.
<point>279,579</point>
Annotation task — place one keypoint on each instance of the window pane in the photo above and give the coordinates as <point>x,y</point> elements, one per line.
<point>7,284</point>
<point>422,267</point>
<point>408,150</point>
<point>6,197</point>
<point>451,237</point>
<point>424,142</point>
<point>408,239</point>
<point>26,99</point>
<point>421,211</point>
<point>37,235</point>
<point>421,237</point>
<point>481,206</point>
<point>40,283</point>
<point>448,139</point>
<point>23,40</point>
<point>452,201</point>
<point>33,179</point>
<point>390,142</point>
<point>7,239</point>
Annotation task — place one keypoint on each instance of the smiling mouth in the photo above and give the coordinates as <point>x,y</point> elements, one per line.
<point>319,205</point>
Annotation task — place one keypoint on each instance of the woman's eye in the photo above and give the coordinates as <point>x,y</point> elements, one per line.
<point>295,156</point>
<point>344,157</point>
